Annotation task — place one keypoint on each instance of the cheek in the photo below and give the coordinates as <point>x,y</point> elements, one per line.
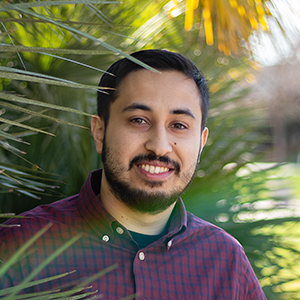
<point>122,141</point>
<point>188,152</point>
<point>193,156</point>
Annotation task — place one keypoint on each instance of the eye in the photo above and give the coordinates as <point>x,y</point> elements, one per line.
<point>179,126</point>
<point>138,121</point>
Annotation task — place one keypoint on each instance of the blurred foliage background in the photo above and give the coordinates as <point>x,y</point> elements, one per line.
<point>52,56</point>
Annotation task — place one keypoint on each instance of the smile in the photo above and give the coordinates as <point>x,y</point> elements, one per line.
<point>154,169</point>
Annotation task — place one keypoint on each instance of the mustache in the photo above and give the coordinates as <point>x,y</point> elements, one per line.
<point>151,158</point>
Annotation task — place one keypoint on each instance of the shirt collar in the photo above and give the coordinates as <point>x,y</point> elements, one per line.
<point>99,220</point>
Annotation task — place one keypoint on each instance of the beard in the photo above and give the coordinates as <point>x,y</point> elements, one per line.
<point>142,200</point>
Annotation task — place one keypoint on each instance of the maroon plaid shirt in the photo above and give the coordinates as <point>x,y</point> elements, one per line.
<point>194,260</point>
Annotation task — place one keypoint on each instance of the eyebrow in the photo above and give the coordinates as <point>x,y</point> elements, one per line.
<point>183,112</point>
<point>135,106</point>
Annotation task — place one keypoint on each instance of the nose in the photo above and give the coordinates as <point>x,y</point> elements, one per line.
<point>158,141</point>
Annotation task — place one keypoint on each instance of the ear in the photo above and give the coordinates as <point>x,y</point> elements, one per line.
<point>97,128</point>
<point>204,136</point>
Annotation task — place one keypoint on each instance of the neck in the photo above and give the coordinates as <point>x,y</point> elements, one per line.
<point>145,223</point>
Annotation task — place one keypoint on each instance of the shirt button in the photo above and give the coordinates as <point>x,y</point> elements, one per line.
<point>170,243</point>
<point>105,238</point>
<point>141,256</point>
<point>119,230</point>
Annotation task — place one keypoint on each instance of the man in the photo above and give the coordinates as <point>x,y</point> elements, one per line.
<point>150,131</point>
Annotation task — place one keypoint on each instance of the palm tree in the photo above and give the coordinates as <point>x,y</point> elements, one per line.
<point>232,21</point>
<point>43,56</point>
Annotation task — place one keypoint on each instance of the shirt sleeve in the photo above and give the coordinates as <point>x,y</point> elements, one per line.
<point>250,286</point>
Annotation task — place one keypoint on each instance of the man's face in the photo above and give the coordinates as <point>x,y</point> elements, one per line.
<point>153,139</point>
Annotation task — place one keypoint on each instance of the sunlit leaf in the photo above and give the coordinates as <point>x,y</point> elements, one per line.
<point>109,47</point>
<point>7,7</point>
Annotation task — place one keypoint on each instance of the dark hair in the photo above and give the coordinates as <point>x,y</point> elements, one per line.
<point>162,60</point>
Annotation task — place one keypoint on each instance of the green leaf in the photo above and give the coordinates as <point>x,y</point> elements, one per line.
<point>71,29</point>
<point>79,63</point>
<point>22,249</point>
<point>7,146</point>
<point>8,7</point>
<point>19,99</point>
<point>59,82</point>
<point>17,48</point>
<point>14,123</point>
<point>36,114</point>
<point>33,283</point>
<point>56,253</point>
<point>5,135</point>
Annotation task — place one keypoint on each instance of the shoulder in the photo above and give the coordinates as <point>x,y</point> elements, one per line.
<point>203,229</point>
<point>213,244</point>
<point>17,231</point>
<point>51,212</point>
<point>57,209</point>
<point>214,241</point>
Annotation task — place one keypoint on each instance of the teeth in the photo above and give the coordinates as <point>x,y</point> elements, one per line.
<point>153,169</point>
<point>157,170</point>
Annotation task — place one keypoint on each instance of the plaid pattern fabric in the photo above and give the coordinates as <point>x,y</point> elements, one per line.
<point>194,260</point>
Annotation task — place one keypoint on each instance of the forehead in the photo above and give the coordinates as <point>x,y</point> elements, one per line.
<point>166,90</point>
